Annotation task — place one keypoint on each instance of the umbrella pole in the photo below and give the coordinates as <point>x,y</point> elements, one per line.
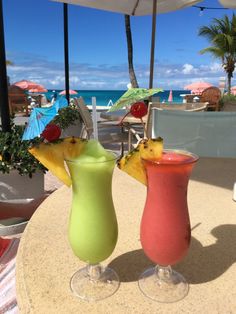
<point>5,116</point>
<point>154,10</point>
<point>66,51</point>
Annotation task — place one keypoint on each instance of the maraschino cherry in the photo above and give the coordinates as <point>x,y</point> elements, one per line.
<point>138,110</point>
<point>51,133</point>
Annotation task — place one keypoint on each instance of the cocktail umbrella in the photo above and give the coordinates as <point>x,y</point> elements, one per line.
<point>41,117</point>
<point>38,120</point>
<point>170,98</point>
<point>71,92</point>
<point>197,87</point>
<point>133,95</point>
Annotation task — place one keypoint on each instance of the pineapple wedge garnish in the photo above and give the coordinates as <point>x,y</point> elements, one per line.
<point>149,149</point>
<point>53,154</point>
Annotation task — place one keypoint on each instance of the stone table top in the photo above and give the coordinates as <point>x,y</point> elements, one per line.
<point>45,262</point>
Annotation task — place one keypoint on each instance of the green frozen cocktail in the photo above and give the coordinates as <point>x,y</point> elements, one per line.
<point>93,227</point>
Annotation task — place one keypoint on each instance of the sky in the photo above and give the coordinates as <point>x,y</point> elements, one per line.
<point>98,49</point>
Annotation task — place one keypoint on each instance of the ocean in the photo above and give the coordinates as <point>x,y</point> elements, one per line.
<point>103,97</point>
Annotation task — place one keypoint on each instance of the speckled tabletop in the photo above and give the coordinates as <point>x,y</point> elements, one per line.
<point>45,261</point>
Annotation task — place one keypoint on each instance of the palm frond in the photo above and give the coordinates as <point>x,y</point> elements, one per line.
<point>8,62</point>
<point>216,52</point>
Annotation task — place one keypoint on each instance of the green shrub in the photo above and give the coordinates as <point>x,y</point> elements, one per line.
<point>14,152</point>
<point>67,116</point>
<point>228,98</point>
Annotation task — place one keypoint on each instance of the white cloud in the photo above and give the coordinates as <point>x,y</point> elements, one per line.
<point>189,69</point>
<point>88,76</point>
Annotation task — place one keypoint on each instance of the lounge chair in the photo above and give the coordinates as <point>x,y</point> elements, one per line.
<point>174,107</point>
<point>207,134</point>
<point>18,101</point>
<point>211,95</point>
<point>108,132</point>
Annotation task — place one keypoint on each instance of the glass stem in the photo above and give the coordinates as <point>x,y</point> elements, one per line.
<point>164,273</point>
<point>94,271</point>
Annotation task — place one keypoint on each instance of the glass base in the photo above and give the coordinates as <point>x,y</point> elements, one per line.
<point>94,282</point>
<point>163,284</point>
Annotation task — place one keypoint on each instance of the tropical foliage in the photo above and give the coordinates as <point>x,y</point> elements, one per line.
<point>67,116</point>
<point>222,36</point>
<point>14,152</point>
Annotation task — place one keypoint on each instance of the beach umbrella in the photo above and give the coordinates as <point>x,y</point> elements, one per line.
<point>38,89</point>
<point>26,85</point>
<point>71,92</point>
<point>40,118</point>
<point>197,87</point>
<point>233,90</point>
<point>170,98</point>
<point>133,95</point>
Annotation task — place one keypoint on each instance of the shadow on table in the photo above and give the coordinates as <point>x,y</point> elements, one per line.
<point>215,171</point>
<point>202,264</point>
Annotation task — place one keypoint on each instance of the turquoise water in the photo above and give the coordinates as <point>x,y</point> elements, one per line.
<point>104,96</point>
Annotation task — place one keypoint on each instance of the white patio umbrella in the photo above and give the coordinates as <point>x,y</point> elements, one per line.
<point>141,7</point>
<point>133,7</point>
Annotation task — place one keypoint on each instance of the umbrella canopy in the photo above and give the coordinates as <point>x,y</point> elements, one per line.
<point>228,3</point>
<point>233,90</point>
<point>133,95</point>
<point>38,89</point>
<point>40,118</point>
<point>197,87</point>
<point>170,98</point>
<point>133,7</point>
<point>71,92</point>
<point>26,85</point>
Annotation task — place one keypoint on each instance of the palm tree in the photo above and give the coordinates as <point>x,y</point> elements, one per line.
<point>132,75</point>
<point>222,36</point>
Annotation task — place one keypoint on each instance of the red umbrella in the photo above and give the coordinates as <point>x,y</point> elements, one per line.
<point>24,84</point>
<point>233,90</point>
<point>38,89</point>
<point>197,87</point>
<point>71,92</point>
<point>170,98</point>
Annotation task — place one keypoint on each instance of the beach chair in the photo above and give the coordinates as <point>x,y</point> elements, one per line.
<point>211,95</point>
<point>108,132</point>
<point>207,134</point>
<point>18,101</point>
<point>187,107</point>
